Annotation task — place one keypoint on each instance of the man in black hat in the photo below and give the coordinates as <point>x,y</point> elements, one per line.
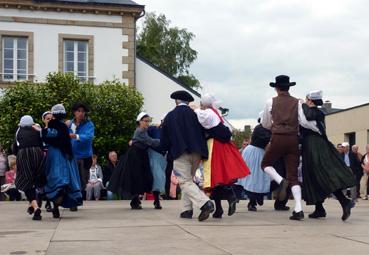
<point>184,138</point>
<point>82,132</point>
<point>283,115</point>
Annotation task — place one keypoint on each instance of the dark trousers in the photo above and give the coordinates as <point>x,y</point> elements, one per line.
<point>284,147</point>
<point>30,194</point>
<point>2,181</point>
<point>84,166</point>
<point>168,174</point>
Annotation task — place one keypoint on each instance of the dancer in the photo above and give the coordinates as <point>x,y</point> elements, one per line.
<point>184,138</point>
<point>158,164</point>
<point>225,164</point>
<point>133,173</point>
<point>324,171</point>
<point>30,163</point>
<point>63,182</point>
<point>257,184</point>
<point>282,115</point>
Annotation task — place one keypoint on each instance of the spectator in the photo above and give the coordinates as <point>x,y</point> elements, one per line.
<point>356,166</point>
<point>3,168</point>
<point>110,166</point>
<point>95,181</point>
<point>12,192</point>
<point>364,178</point>
<point>244,145</point>
<point>340,148</point>
<point>82,132</point>
<point>349,160</point>
<point>173,186</point>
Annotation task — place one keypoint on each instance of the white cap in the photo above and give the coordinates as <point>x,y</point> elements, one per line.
<point>26,121</point>
<point>58,109</point>
<point>315,95</point>
<point>345,144</point>
<point>208,100</point>
<point>141,115</point>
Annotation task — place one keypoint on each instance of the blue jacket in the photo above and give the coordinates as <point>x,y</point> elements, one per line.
<point>82,148</point>
<point>182,133</point>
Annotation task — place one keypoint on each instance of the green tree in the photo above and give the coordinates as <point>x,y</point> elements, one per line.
<point>239,136</point>
<point>167,48</point>
<point>114,108</point>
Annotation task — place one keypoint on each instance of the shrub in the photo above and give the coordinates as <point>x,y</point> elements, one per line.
<point>114,108</point>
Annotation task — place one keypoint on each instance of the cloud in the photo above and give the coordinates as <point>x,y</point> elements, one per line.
<point>243,44</point>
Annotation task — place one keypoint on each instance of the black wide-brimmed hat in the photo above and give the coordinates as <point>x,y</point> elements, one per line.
<point>78,105</point>
<point>182,95</point>
<point>282,81</point>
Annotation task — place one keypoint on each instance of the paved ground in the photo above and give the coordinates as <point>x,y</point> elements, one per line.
<point>110,227</point>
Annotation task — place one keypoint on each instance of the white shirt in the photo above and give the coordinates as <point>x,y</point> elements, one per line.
<point>266,119</point>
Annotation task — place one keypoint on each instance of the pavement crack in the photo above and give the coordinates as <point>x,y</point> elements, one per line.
<point>198,237</point>
<point>350,239</point>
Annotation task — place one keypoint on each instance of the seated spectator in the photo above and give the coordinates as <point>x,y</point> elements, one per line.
<point>95,181</point>
<point>12,192</point>
<point>108,170</point>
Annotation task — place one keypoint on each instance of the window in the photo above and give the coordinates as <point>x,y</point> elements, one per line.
<point>350,138</point>
<point>76,55</point>
<point>76,58</point>
<point>15,52</point>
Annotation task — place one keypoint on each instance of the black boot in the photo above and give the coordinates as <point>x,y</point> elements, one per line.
<point>48,206</point>
<point>251,206</point>
<point>206,209</point>
<point>345,203</point>
<point>157,200</point>
<point>319,211</point>
<point>37,214</point>
<point>135,203</point>
<point>217,197</point>
<point>232,199</point>
<point>297,215</point>
<point>56,212</point>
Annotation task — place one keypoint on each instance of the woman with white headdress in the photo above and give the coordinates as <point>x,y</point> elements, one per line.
<point>133,173</point>
<point>63,183</point>
<point>324,171</point>
<point>225,164</point>
<point>30,163</point>
<point>257,184</point>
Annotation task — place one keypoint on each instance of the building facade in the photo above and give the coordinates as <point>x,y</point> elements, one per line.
<point>349,125</point>
<point>94,39</point>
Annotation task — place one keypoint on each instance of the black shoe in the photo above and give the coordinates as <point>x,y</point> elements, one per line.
<point>260,200</point>
<point>282,208</point>
<point>37,215</point>
<point>297,215</point>
<point>186,214</point>
<point>282,190</point>
<point>73,209</point>
<point>206,210</point>
<point>56,213</point>
<point>317,214</point>
<point>48,206</point>
<point>347,210</point>
<point>30,210</point>
<point>232,206</point>
<point>157,205</point>
<point>251,208</point>
<point>135,205</point>
<point>218,214</point>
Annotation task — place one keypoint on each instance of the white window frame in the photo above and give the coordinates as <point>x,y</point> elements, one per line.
<point>75,58</point>
<point>15,59</point>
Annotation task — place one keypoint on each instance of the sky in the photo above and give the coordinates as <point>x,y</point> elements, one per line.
<point>243,45</point>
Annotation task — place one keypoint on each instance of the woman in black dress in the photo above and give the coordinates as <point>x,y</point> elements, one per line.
<point>30,163</point>
<point>133,173</point>
<point>324,171</point>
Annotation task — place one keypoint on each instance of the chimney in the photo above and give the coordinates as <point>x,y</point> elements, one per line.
<point>327,105</point>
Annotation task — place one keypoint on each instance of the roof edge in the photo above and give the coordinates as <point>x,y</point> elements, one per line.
<point>168,75</point>
<point>350,108</point>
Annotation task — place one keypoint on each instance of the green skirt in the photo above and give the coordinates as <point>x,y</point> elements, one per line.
<point>324,171</point>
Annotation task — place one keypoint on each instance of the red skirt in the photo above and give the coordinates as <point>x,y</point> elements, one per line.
<point>224,166</point>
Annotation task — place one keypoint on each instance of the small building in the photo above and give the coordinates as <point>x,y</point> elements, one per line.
<point>349,125</point>
<point>93,39</point>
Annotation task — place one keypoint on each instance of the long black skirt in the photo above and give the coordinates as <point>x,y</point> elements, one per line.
<point>30,169</point>
<point>324,171</point>
<point>133,173</point>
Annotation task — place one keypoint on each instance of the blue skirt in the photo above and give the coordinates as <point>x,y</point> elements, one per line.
<point>158,164</point>
<point>258,181</point>
<point>62,179</point>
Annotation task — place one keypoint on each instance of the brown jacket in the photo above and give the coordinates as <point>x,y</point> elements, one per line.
<point>285,114</point>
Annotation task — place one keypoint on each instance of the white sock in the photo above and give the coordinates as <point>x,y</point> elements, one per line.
<point>273,174</point>
<point>296,192</point>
